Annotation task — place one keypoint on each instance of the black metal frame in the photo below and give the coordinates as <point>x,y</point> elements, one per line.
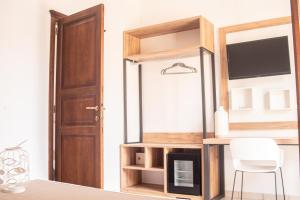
<point>206,194</point>
<point>206,147</point>
<point>242,183</point>
<point>206,156</point>
<point>125,101</point>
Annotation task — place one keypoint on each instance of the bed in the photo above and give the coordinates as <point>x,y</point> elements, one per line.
<point>50,190</point>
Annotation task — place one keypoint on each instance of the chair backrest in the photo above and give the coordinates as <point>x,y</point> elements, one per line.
<point>254,149</point>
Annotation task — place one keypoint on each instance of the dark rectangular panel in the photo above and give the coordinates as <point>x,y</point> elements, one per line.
<point>259,58</point>
<point>74,112</point>
<point>79,60</point>
<point>77,160</point>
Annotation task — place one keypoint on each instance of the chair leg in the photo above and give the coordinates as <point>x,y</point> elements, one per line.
<point>242,185</point>
<point>282,183</point>
<point>233,185</point>
<point>275,185</point>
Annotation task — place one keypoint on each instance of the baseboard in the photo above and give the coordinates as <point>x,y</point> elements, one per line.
<point>257,196</point>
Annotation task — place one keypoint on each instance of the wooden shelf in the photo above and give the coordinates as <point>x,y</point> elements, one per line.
<point>156,145</point>
<point>275,125</point>
<point>139,167</point>
<point>134,167</point>
<point>166,28</point>
<point>205,38</point>
<point>146,188</point>
<point>226,141</point>
<point>184,196</point>
<point>156,190</point>
<point>158,169</point>
<point>173,53</point>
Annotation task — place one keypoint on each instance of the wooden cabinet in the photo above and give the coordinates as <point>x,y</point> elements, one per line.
<point>155,165</point>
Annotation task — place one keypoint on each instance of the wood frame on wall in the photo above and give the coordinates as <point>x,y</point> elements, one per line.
<point>296,37</point>
<point>224,99</point>
<point>51,109</point>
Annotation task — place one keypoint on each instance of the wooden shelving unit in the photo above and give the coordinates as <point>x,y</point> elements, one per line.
<point>155,162</point>
<point>132,39</point>
<point>156,151</point>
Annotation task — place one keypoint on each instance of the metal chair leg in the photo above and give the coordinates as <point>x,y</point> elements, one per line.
<point>275,185</point>
<point>242,185</point>
<point>282,183</point>
<point>233,185</point>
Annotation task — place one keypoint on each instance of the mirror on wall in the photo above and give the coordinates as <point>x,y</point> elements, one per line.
<point>258,74</point>
<point>261,71</point>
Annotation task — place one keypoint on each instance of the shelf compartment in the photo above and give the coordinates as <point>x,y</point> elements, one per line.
<point>205,38</point>
<point>166,28</point>
<point>279,99</point>
<point>137,181</point>
<point>241,99</point>
<point>129,157</point>
<point>146,188</point>
<point>155,158</point>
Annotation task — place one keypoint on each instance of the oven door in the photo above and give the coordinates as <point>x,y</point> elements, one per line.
<point>184,173</point>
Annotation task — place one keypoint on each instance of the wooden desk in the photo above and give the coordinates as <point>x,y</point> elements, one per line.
<point>49,190</point>
<point>226,141</point>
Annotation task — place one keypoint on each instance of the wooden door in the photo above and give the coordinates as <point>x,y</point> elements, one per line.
<point>79,98</point>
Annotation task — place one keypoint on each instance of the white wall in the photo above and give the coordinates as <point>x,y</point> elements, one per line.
<point>24,54</point>
<point>23,77</point>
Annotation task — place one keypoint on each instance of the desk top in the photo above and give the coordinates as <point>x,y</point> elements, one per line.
<point>226,140</point>
<point>50,190</point>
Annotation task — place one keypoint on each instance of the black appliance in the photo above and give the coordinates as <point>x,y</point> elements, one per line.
<point>184,173</point>
<point>267,57</point>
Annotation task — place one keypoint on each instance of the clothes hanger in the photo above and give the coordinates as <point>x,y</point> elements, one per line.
<point>179,64</point>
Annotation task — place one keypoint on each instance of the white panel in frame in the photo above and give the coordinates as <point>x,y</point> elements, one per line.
<point>242,99</point>
<point>132,102</point>
<point>279,99</point>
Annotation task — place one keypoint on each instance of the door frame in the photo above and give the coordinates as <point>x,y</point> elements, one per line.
<point>296,38</point>
<point>55,16</point>
<point>51,97</point>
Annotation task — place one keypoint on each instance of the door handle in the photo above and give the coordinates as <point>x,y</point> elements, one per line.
<point>96,108</point>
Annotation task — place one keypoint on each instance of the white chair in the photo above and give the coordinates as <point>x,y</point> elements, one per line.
<point>256,155</point>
